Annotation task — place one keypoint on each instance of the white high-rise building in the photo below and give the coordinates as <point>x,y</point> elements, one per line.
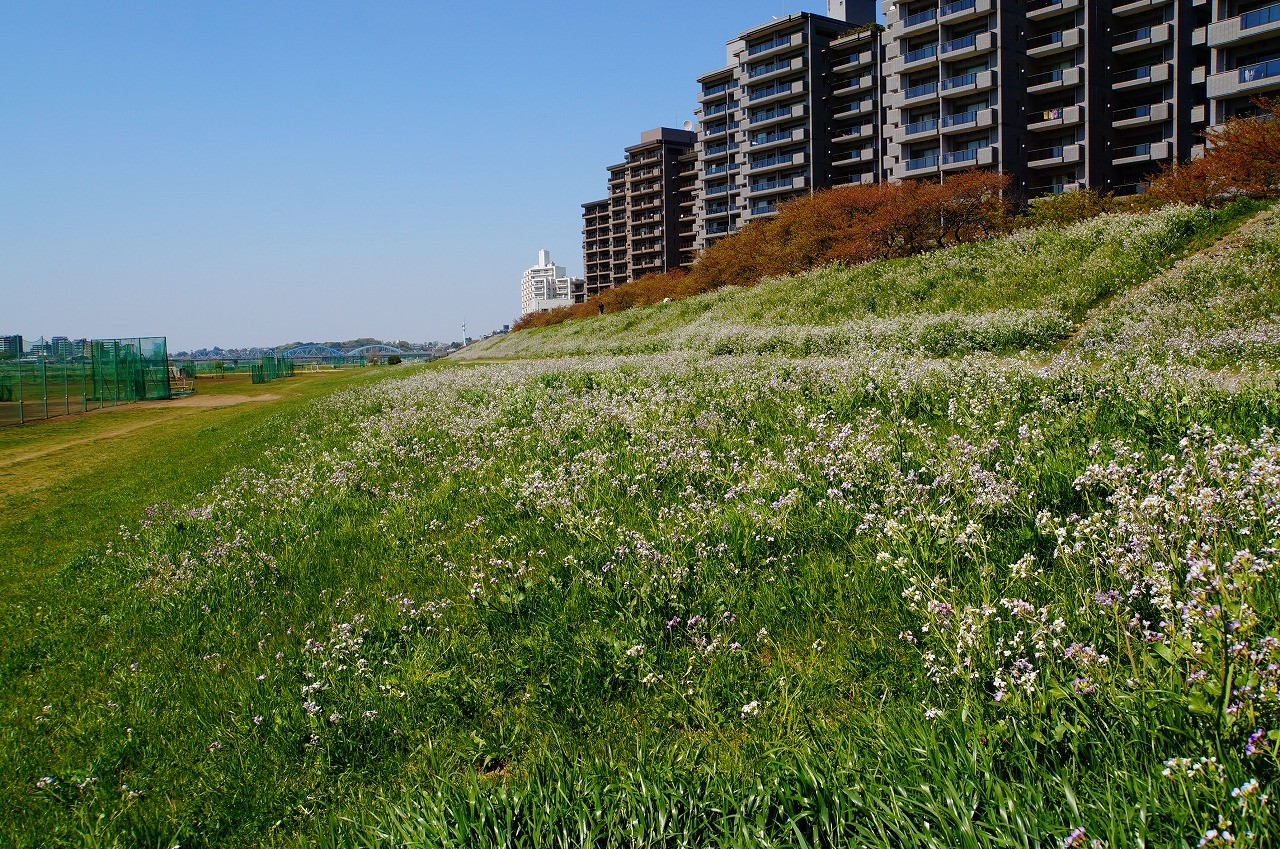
<point>545,286</point>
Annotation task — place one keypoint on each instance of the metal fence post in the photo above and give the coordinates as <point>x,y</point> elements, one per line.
<point>115,371</point>
<point>44,384</point>
<point>84,385</point>
<point>21,412</point>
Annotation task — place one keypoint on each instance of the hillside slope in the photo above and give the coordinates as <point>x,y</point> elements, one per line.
<point>678,600</point>
<point>1030,290</point>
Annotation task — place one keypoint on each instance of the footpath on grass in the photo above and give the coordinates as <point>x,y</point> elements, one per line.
<point>67,485</point>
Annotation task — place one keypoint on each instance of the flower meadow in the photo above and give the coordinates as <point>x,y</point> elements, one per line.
<point>676,599</point>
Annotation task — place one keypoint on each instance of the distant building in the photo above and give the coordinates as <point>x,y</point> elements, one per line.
<point>545,286</point>
<point>641,227</point>
<point>61,347</point>
<point>10,347</point>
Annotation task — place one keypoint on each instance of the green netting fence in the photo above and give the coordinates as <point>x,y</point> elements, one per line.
<point>107,373</point>
<point>271,368</point>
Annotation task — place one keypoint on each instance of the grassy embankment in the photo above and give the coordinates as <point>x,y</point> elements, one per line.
<point>681,600</point>
<point>1028,291</point>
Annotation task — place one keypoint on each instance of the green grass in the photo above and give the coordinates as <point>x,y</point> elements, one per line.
<point>68,484</point>
<point>689,600</point>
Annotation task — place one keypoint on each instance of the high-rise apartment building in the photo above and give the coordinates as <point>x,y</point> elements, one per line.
<point>779,120</point>
<point>546,286</point>
<point>953,86</point>
<point>1065,94</point>
<point>597,255</point>
<point>637,229</point>
<point>1244,43</point>
<point>1058,94</point>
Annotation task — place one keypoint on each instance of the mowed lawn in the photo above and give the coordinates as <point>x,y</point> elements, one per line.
<point>69,484</point>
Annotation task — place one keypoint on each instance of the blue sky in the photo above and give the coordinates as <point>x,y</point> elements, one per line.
<point>242,173</point>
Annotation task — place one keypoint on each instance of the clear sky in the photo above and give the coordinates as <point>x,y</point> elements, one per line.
<point>241,173</point>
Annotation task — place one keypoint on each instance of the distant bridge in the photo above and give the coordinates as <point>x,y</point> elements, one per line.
<point>311,352</point>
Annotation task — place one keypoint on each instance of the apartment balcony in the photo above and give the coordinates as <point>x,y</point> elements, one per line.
<point>917,130</point>
<point>1040,10</point>
<point>1242,29</point>
<point>772,70</point>
<point>777,186</point>
<point>866,178</point>
<point>922,166</point>
<point>968,83</point>
<point>710,134</point>
<point>1123,9</point>
<point>1055,80</point>
<point>1249,80</point>
<point>854,157</point>
<point>777,115</point>
<point>769,141</point>
<point>717,92</point>
<point>763,96</point>
<point>854,86</point>
<point>914,60</point>
<point>922,93</point>
<point>1055,188</point>
<point>855,62</point>
<point>968,46</point>
<point>958,160</point>
<point>964,122</point>
<point>1055,42</point>
<point>718,212</point>
<point>963,10</point>
<point>1141,38</point>
<point>917,23</point>
<point>843,112</point>
<point>775,46</point>
<point>716,109</point>
<point>1138,116</point>
<point>777,162</point>
<point>1199,114</point>
<point>1052,119</point>
<point>1143,76</point>
<point>856,133</point>
<point>1052,157</point>
<point>1153,152</point>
